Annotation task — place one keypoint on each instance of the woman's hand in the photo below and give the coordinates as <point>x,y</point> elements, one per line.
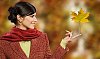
<point>68,39</point>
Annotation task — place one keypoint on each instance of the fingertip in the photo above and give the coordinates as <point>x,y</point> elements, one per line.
<point>67,31</point>
<point>80,34</point>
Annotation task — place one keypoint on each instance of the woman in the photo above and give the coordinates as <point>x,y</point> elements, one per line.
<point>26,42</point>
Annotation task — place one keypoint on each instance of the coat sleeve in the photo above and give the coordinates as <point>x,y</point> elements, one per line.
<point>2,55</point>
<point>58,54</point>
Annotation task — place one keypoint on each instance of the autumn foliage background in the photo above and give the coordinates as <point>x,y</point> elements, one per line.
<point>54,17</point>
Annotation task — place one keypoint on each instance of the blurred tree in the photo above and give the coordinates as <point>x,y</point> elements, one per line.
<point>93,42</point>
<point>55,20</point>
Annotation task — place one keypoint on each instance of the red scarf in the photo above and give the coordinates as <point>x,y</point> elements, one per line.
<point>17,34</point>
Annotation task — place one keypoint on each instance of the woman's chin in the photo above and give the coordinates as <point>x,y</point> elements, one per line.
<point>31,27</point>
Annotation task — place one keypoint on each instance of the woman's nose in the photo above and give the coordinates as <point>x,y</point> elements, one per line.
<point>35,19</point>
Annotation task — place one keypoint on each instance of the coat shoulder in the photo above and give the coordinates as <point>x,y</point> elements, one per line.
<point>43,35</point>
<point>3,42</point>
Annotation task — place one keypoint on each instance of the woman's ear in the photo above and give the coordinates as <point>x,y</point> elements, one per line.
<point>19,18</point>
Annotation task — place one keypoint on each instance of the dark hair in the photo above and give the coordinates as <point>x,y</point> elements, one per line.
<point>22,9</point>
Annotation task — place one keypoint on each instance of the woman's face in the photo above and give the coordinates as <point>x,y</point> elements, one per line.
<point>29,21</point>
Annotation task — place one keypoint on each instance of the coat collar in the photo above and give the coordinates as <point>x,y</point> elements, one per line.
<point>18,50</point>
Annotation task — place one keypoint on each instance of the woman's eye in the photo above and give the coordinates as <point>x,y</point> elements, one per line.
<point>32,16</point>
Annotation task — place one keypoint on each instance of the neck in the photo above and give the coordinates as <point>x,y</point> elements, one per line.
<point>21,27</point>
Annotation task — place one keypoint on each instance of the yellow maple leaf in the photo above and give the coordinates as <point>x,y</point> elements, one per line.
<point>81,16</point>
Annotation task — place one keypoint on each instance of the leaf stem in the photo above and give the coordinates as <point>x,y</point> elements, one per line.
<point>79,27</point>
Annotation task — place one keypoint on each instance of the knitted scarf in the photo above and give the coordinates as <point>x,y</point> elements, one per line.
<point>17,34</point>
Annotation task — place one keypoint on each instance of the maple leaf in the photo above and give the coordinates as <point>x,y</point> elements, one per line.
<point>80,17</point>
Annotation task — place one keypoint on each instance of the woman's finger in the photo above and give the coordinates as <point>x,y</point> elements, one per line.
<point>66,30</point>
<point>76,36</point>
